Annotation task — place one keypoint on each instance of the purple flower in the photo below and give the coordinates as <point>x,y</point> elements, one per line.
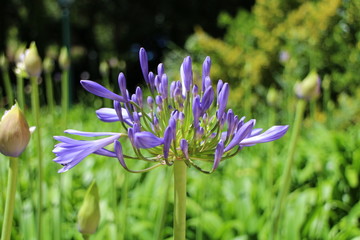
<point>222,99</point>
<point>144,64</point>
<point>184,148</point>
<point>241,133</point>
<point>186,75</point>
<point>122,84</point>
<point>272,134</point>
<point>100,91</point>
<point>160,69</point>
<point>219,151</point>
<point>147,140</point>
<point>70,152</point>
<point>168,137</point>
<point>139,98</point>
<point>109,115</point>
<point>205,72</point>
<point>196,111</point>
<point>164,86</point>
<point>205,131</point>
<point>207,99</point>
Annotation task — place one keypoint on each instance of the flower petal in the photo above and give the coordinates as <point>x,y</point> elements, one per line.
<point>273,133</point>
<point>240,134</point>
<point>147,140</point>
<point>100,91</point>
<point>89,134</point>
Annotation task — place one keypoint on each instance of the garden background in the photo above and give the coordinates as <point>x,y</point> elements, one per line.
<point>261,48</point>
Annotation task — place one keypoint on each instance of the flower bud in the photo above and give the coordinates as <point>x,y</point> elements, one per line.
<point>309,88</point>
<point>89,214</point>
<point>32,61</point>
<point>104,69</point>
<point>14,132</point>
<point>144,64</point>
<point>3,62</point>
<point>48,65</point>
<point>64,58</point>
<point>272,97</point>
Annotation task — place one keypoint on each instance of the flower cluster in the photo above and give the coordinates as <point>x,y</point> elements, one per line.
<point>179,121</point>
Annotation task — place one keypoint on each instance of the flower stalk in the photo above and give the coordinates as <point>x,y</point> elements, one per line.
<point>179,200</point>
<point>6,77</point>
<point>10,198</point>
<point>36,114</point>
<point>20,91</point>
<point>286,179</point>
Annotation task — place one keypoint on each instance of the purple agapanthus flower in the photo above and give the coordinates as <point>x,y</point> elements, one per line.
<point>180,121</point>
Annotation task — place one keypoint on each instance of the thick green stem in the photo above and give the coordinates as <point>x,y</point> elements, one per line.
<point>179,200</point>
<point>65,95</point>
<point>286,179</point>
<point>10,199</point>
<point>86,236</point>
<point>8,88</point>
<point>160,226</point>
<point>20,92</point>
<point>36,114</point>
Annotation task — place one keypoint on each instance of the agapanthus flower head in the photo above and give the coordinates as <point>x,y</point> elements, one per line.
<point>179,121</point>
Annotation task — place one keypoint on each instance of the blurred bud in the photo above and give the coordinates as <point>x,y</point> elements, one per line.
<point>20,53</point>
<point>52,51</point>
<point>89,214</point>
<point>309,88</point>
<point>64,58</point>
<point>273,97</point>
<point>3,62</point>
<point>14,132</point>
<point>48,65</point>
<point>32,61</point>
<point>104,69</point>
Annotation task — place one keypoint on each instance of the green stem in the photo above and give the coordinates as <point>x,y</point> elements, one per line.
<point>36,113</point>
<point>49,92</point>
<point>160,226</point>
<point>179,200</point>
<point>300,108</point>
<point>124,206</point>
<point>10,199</point>
<point>8,88</point>
<point>65,95</point>
<point>86,236</point>
<point>20,92</point>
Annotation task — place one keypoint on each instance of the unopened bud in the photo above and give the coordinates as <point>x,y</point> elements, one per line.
<point>89,214</point>
<point>272,97</point>
<point>3,62</point>
<point>48,65</point>
<point>32,61</point>
<point>104,69</point>
<point>64,58</point>
<point>309,88</point>
<point>14,132</point>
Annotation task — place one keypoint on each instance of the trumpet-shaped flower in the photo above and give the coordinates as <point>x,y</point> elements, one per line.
<point>179,121</point>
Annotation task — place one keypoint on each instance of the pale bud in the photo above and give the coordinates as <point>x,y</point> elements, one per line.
<point>309,88</point>
<point>89,214</point>
<point>64,58</point>
<point>14,132</point>
<point>32,61</point>
<point>104,69</point>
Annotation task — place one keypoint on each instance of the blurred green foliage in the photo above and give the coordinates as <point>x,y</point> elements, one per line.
<point>279,42</point>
